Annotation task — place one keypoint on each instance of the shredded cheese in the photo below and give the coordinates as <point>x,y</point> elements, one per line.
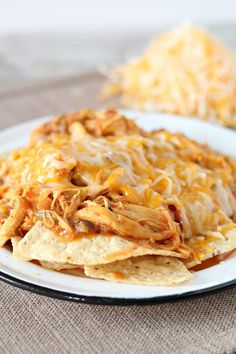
<point>184,71</point>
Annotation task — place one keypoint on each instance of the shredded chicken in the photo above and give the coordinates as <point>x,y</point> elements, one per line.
<point>152,225</point>
<point>14,219</point>
<point>85,123</point>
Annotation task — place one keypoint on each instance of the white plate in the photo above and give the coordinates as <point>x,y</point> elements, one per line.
<point>35,278</point>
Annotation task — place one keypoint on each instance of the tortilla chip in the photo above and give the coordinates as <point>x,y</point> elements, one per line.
<point>146,270</point>
<point>16,254</point>
<point>42,244</point>
<point>215,247</point>
<point>58,266</point>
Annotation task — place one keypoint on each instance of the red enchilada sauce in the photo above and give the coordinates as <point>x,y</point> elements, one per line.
<point>213,261</point>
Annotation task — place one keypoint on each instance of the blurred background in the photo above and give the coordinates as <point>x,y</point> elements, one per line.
<point>46,39</point>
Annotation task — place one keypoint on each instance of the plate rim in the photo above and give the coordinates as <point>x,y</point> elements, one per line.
<point>110,300</point>
<point>113,301</point>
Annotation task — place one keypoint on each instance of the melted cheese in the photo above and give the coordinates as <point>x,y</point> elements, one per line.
<point>157,170</point>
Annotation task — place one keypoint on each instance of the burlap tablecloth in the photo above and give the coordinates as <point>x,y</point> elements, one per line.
<point>31,323</point>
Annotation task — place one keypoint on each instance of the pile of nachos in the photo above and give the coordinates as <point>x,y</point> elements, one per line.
<point>94,191</point>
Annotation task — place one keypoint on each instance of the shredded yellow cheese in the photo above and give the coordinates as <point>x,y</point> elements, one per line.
<point>184,71</point>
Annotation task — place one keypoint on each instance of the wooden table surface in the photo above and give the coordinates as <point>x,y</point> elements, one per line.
<point>29,101</point>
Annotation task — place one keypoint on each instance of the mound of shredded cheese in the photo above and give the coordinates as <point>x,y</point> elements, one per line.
<point>184,71</point>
